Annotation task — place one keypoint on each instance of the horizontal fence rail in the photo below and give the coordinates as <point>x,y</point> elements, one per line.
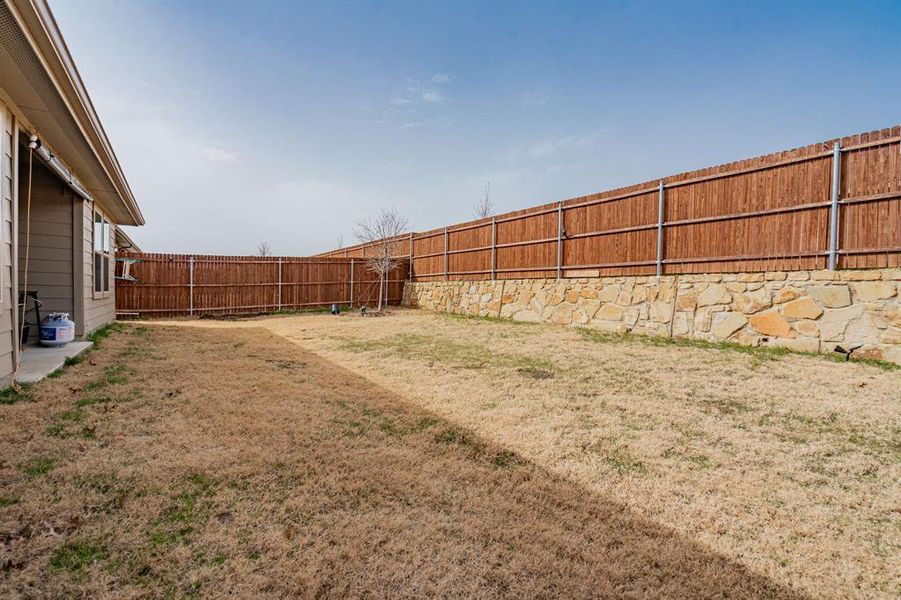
<point>168,285</point>
<point>834,205</point>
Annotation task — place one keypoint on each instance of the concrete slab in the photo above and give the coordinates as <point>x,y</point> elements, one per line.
<point>39,361</point>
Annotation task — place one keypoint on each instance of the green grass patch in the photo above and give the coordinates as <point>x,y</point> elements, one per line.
<point>116,374</point>
<point>57,430</point>
<point>37,466</point>
<point>71,361</point>
<point>101,333</point>
<point>140,330</point>
<point>390,428</point>
<point>459,437</point>
<point>7,501</point>
<point>625,463</point>
<point>61,429</point>
<point>74,416</point>
<point>14,394</point>
<point>188,511</point>
<point>99,484</point>
<point>75,557</point>
<point>423,424</point>
<point>92,400</point>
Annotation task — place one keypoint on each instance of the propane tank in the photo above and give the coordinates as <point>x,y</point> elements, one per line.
<point>57,330</point>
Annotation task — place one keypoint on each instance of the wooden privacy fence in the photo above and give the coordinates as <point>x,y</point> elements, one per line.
<point>836,204</point>
<point>183,284</point>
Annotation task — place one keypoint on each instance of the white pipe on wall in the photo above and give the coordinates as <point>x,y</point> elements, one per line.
<point>62,172</point>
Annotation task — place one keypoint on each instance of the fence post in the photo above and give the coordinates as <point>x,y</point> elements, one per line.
<point>410,266</point>
<point>191,286</point>
<point>445,254</point>
<point>660,201</point>
<point>493,245</point>
<point>279,283</point>
<point>351,283</point>
<point>559,239</point>
<point>834,207</point>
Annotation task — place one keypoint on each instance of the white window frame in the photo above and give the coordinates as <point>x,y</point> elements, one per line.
<point>101,254</point>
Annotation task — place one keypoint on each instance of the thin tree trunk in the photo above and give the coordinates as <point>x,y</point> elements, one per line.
<point>381,279</point>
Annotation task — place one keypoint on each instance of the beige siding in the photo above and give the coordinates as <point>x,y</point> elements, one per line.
<point>98,311</point>
<point>7,271</point>
<point>50,263</point>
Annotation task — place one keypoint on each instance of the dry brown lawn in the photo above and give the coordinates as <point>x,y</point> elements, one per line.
<point>421,455</point>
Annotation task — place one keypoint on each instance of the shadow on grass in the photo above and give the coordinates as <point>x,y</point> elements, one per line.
<point>481,519</point>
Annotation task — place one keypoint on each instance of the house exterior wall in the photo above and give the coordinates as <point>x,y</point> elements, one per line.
<point>98,308</point>
<point>8,346</point>
<point>809,311</point>
<point>51,247</point>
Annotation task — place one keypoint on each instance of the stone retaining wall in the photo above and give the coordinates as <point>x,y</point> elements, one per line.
<point>809,311</point>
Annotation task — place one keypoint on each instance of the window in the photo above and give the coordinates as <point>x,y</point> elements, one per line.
<point>101,254</point>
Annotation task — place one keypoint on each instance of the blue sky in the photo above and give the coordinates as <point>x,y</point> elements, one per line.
<point>286,122</point>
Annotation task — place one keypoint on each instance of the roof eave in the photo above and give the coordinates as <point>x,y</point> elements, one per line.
<point>45,36</point>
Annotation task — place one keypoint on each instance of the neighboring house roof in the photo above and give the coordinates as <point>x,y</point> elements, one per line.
<point>123,242</point>
<point>39,76</point>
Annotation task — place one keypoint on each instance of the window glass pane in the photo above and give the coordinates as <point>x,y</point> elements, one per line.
<point>98,232</point>
<point>98,269</point>
<point>106,235</point>
<point>105,273</point>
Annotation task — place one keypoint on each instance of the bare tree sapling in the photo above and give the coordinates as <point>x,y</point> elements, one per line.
<point>382,250</point>
<point>485,208</point>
